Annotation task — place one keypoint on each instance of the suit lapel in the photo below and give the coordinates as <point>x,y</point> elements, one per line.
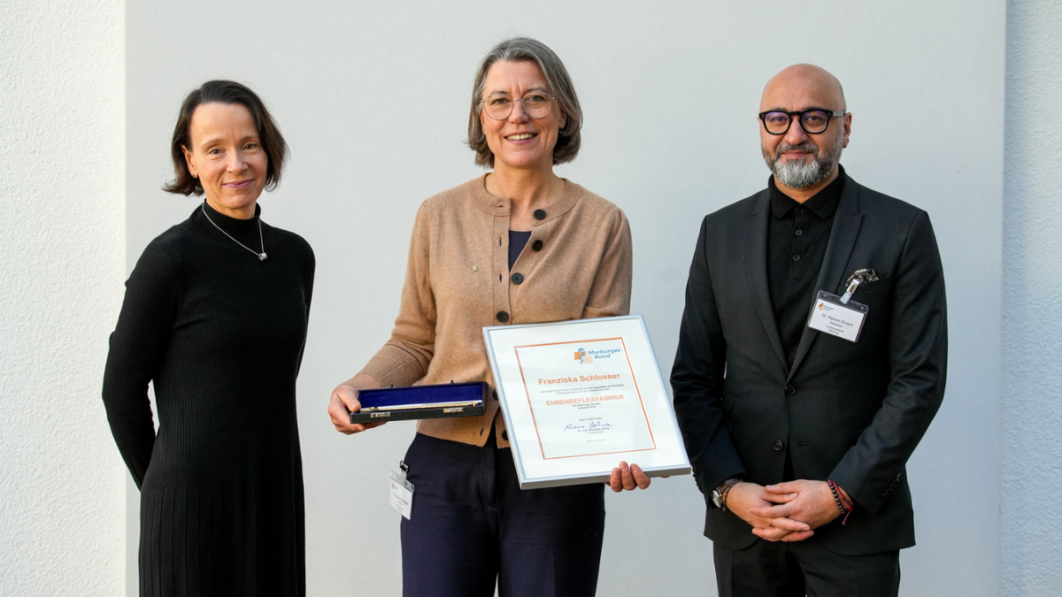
<point>756,265</point>
<point>845,230</point>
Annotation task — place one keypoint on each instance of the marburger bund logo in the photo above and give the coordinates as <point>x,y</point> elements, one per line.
<point>586,357</point>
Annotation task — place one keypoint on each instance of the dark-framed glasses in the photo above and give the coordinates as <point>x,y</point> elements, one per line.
<point>813,121</point>
<point>535,104</point>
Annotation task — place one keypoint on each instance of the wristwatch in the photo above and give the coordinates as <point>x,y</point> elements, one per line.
<point>719,493</point>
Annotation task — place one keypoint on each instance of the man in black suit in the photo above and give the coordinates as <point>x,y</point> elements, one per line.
<point>800,408</point>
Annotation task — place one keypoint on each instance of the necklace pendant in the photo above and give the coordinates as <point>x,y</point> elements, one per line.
<point>262,256</point>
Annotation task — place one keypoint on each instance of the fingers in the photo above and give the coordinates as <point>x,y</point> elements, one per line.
<point>343,402</point>
<point>641,479</point>
<point>798,536</point>
<point>770,533</point>
<point>628,478</point>
<point>780,488</point>
<point>780,498</point>
<point>787,524</point>
<point>621,478</point>
<point>772,512</point>
<point>776,534</point>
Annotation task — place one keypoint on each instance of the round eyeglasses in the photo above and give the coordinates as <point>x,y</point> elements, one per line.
<point>536,105</point>
<point>814,121</point>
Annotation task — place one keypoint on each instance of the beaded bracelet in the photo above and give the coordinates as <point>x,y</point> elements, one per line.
<point>845,509</point>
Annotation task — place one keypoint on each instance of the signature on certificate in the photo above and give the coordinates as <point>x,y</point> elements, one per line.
<point>590,426</point>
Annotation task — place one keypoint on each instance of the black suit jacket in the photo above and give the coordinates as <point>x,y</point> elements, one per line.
<point>848,412</point>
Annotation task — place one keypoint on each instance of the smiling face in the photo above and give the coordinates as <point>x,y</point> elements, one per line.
<point>226,156</point>
<point>803,163</point>
<point>519,141</point>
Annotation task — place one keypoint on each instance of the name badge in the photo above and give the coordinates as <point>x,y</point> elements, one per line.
<point>401,498</point>
<point>836,318</point>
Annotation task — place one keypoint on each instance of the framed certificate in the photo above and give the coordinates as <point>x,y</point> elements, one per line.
<point>580,396</point>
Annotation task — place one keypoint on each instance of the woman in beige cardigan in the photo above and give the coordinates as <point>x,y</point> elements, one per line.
<point>517,245</point>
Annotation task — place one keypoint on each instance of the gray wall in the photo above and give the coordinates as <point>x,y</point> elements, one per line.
<point>373,100</point>
<point>1032,302</point>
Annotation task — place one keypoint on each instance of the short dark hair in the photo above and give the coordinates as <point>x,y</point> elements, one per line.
<point>524,49</point>
<point>224,92</point>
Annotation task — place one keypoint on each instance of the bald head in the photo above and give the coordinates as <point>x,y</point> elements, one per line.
<point>801,86</point>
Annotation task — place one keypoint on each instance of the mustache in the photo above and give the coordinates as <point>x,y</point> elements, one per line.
<point>808,147</point>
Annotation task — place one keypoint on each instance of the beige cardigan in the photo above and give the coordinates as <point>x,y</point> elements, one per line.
<point>576,265</point>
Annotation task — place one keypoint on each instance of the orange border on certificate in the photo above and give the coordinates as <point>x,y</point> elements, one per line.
<point>634,378</point>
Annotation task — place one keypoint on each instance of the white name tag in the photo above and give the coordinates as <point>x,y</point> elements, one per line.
<point>401,498</point>
<point>830,315</point>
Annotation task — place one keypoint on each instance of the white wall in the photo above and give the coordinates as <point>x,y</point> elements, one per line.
<point>62,227</point>
<point>1032,303</point>
<point>373,98</point>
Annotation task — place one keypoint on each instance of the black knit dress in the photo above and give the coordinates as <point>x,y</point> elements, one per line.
<point>220,334</point>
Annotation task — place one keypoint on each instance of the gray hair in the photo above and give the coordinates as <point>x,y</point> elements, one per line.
<point>523,49</point>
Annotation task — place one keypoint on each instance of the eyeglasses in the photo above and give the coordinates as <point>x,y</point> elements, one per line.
<point>814,121</point>
<point>536,105</point>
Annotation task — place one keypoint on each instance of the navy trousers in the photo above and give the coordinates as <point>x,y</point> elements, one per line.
<point>472,527</point>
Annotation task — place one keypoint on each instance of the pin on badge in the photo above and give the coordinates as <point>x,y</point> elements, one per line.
<point>475,268</point>
<point>860,276</point>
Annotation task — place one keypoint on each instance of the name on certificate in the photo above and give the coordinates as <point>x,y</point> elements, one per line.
<point>576,412</point>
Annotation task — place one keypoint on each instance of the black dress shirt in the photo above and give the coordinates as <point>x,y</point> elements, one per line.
<point>796,244</point>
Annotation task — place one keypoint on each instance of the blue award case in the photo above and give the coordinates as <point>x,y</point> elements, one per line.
<point>421,402</point>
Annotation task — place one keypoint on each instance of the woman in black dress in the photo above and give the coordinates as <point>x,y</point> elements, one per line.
<point>215,318</point>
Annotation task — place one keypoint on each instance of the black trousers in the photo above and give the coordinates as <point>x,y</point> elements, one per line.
<point>472,527</point>
<point>767,569</point>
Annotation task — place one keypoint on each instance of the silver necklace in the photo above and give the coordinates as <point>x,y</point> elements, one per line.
<point>261,256</point>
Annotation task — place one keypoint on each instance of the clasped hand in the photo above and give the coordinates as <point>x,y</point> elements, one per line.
<point>784,512</point>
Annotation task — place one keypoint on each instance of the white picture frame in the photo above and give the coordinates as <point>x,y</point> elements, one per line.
<point>580,396</point>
